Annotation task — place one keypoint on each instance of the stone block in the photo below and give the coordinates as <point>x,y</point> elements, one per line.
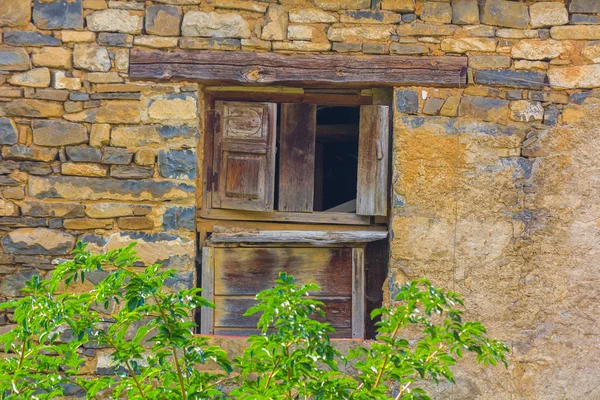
<point>347,47</point>
<point>22,152</point>
<point>359,33</point>
<point>73,106</point>
<point>370,17</point>
<point>468,44</point>
<point>32,108</point>
<point>112,20</point>
<point>8,209</point>
<point>156,42</point>
<point>450,107</point>
<point>403,6</point>
<point>135,223</point>
<point>109,210</point>
<point>52,210</point>
<point>177,164</point>
<point>511,14</point>
<point>62,81</point>
<point>575,32</point>
<point>483,108</point>
<point>35,78</point>
<point>11,285</point>
<point>584,19</point>
<point>99,135</point>
<point>58,14</point>
<point>526,111</point>
<point>585,6</point>
<point>144,157</point>
<point>436,12</point>
<point>83,154</point>
<point>489,62</point>
<point>242,5</point>
<point>14,60</point>
<point>82,224</point>
<point>591,51</point>
<point>52,57</point>
<point>163,20</point>
<point>465,12</point>
<point>551,114</point>
<point>91,57</point>
<point>276,23</point>
<point>433,106</point>
<point>212,24</point>
<point>38,241</point>
<point>548,14</point>
<point>14,13</point>
<point>139,136</point>
<point>77,36</point>
<point>116,155</point>
<point>8,132</point>
<point>416,29</point>
<point>176,106</point>
<point>407,101</point>
<point>408,49</point>
<point>334,5</point>
<point>110,112</point>
<point>29,38</point>
<point>131,172</point>
<point>83,169</point>
<point>58,133</point>
<point>176,218</point>
<point>300,45</point>
<point>508,78</point>
<point>311,16</point>
<point>214,43</point>
<point>549,97</point>
<point>115,39</point>
<point>539,49</point>
<point>576,77</point>
<point>300,32</point>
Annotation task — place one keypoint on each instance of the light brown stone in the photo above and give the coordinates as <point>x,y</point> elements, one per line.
<point>95,4</point>
<point>575,32</point>
<point>311,16</point>
<point>52,57</point>
<point>526,111</point>
<point>398,5</point>
<point>468,44</point>
<point>334,5</point>
<point>276,23</point>
<point>110,112</point>
<point>530,65</point>
<point>145,157</point>
<point>99,135</point>
<point>577,77</point>
<point>83,169</point>
<point>489,62</point>
<point>108,210</point>
<point>417,29</point>
<point>62,81</point>
<point>112,20</point>
<point>135,223</point>
<point>8,208</point>
<point>591,51</point>
<point>77,37</point>
<point>511,14</point>
<point>341,34</point>
<point>36,78</point>
<point>300,45</point>
<point>436,12</point>
<point>211,44</point>
<point>29,153</point>
<point>213,24</point>
<point>539,49</point>
<point>82,224</point>
<point>38,241</point>
<point>156,42</point>
<point>32,108</point>
<point>548,14</point>
<point>14,12</point>
<point>300,32</point>
<point>58,133</point>
<point>91,57</point>
<point>242,5</point>
<point>517,33</point>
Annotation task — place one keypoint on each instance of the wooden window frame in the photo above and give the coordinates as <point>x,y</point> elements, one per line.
<point>319,217</point>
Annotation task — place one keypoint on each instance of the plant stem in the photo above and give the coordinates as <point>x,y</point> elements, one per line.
<point>385,360</point>
<point>129,368</point>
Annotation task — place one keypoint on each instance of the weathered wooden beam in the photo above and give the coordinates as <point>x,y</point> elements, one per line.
<point>314,238</point>
<point>235,67</point>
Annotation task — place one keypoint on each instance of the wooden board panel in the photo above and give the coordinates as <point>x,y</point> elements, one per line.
<point>233,67</point>
<point>297,157</point>
<point>247,271</point>
<point>313,218</point>
<point>358,293</point>
<point>208,279</point>
<point>229,312</point>
<point>373,160</point>
<point>315,238</point>
<point>341,333</point>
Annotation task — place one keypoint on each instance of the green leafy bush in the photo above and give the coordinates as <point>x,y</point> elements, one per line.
<point>148,330</point>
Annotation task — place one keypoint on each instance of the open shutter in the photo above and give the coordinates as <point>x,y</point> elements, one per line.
<point>244,157</point>
<point>297,157</point>
<point>373,154</point>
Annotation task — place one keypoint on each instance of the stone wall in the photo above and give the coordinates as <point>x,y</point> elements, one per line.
<point>495,184</point>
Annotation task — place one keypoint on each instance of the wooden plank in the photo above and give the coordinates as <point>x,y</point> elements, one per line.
<point>373,160</point>
<point>247,271</point>
<point>208,225</point>
<point>349,206</point>
<point>319,177</point>
<point>313,218</point>
<point>297,157</point>
<point>337,133</point>
<point>234,67</point>
<point>358,293</point>
<point>208,286</point>
<point>321,99</point>
<point>341,333</point>
<point>314,238</point>
<point>229,312</point>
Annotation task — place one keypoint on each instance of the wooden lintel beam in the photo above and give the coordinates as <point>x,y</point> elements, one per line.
<point>307,237</point>
<point>236,67</point>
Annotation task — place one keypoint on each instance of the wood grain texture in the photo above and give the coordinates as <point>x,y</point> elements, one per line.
<point>340,333</point>
<point>234,67</point>
<point>358,293</point>
<point>314,238</point>
<point>297,157</point>
<point>312,218</point>
<point>208,285</point>
<point>373,161</point>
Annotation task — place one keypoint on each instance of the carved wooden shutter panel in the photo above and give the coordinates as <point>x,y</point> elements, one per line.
<point>244,156</point>
<point>373,161</point>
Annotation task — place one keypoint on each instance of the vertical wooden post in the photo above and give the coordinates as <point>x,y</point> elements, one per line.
<point>207,314</point>
<point>358,293</point>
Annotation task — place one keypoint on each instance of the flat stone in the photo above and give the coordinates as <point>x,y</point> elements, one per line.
<point>549,97</point>
<point>53,210</point>
<point>116,155</point>
<point>300,32</point>
<point>548,14</point>
<point>450,107</point>
<point>373,32</point>
<point>399,48</point>
<point>83,169</point>
<point>8,208</point>
<point>584,6</point>
<point>177,164</point>
<point>469,44</point>
<point>575,32</point>
<point>370,17</point>
<point>407,101</point>
<point>52,57</point>
<point>242,5</point>
<point>508,78</point>
<point>58,14</point>
<point>81,188</point>
<point>477,31</point>
<point>58,133</point>
<point>135,223</point>
<point>36,78</point>
<point>584,19</point>
<point>591,51</point>
<point>301,45</point>
<point>82,224</point>
<point>140,136</point>
<point>62,81</point>
<point>483,108</point>
<point>163,20</point>
<point>334,5</point>
<point>22,152</point>
<point>539,49</point>
<point>489,62</point>
<point>530,65</point>
<point>417,29</point>
<point>11,285</point>
<point>37,241</point>
<point>8,132</point>
<point>84,154</point>
<point>14,60</point>
<point>176,218</point>
<point>131,172</point>
<point>29,38</point>
<point>77,36</point>
<point>32,108</point>
<point>526,111</point>
<point>110,112</point>
<point>112,20</point>
<point>91,57</point>
<point>517,33</point>
<point>433,106</point>
<point>179,106</point>
<point>213,43</point>
<point>465,12</point>
<point>577,77</point>
<point>511,14</point>
<point>212,24</point>
<point>376,48</point>
<point>276,23</point>
<point>109,210</point>
<point>311,16</point>
<point>144,157</point>
<point>436,12</point>
<point>115,39</point>
<point>51,94</point>
<point>404,6</point>
<point>14,13</point>
<point>156,42</point>
<point>30,167</point>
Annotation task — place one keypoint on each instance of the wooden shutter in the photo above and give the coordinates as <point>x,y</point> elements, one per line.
<point>373,154</point>
<point>244,158</point>
<point>297,157</point>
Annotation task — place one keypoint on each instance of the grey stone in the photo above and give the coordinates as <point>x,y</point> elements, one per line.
<point>29,38</point>
<point>178,164</point>
<point>179,218</point>
<point>508,78</point>
<point>163,20</point>
<point>131,172</point>
<point>58,133</point>
<point>375,48</point>
<point>483,108</point>
<point>55,223</point>
<point>515,94</point>
<point>58,14</point>
<point>407,101</point>
<point>584,19</point>
<point>115,155</point>
<point>579,97</point>
<point>551,115</point>
<point>12,285</point>
<point>22,152</point>
<point>31,167</point>
<point>61,210</point>
<point>212,24</point>
<point>465,12</point>
<point>8,131</point>
<point>346,47</point>
<point>14,60</point>
<point>37,241</point>
<point>511,14</point>
<point>585,6</point>
<point>79,96</point>
<point>432,106</point>
<point>84,154</point>
<point>401,48</point>
<point>409,17</point>
<point>115,39</point>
